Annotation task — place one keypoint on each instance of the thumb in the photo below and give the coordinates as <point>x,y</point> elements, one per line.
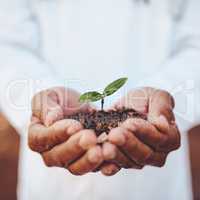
<point>161,106</point>
<point>45,106</point>
<point>53,114</point>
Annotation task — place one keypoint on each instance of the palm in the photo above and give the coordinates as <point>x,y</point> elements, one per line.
<point>55,104</point>
<point>137,99</point>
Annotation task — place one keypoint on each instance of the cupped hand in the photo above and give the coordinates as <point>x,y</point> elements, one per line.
<point>62,142</point>
<point>139,142</point>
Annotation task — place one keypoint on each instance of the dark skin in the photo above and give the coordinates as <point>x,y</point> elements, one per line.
<point>135,144</point>
<point>145,142</point>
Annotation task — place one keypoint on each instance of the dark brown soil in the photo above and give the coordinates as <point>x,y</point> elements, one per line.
<point>102,121</point>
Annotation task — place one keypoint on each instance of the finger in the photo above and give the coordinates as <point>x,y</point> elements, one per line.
<point>52,115</point>
<point>113,154</point>
<point>167,141</point>
<point>157,159</point>
<point>64,154</point>
<point>109,169</point>
<point>42,138</point>
<point>171,131</point>
<point>45,106</point>
<point>161,124</point>
<point>133,147</point>
<point>153,158</point>
<point>88,162</point>
<point>145,132</point>
<point>102,138</point>
<point>116,136</point>
<point>88,139</point>
<point>124,160</point>
<point>161,103</point>
<point>109,151</point>
<point>174,139</point>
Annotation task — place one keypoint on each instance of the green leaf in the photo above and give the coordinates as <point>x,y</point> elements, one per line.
<point>90,97</point>
<point>114,86</point>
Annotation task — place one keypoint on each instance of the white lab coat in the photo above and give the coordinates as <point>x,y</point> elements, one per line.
<point>85,44</point>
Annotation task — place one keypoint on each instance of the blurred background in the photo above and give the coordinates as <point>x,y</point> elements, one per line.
<point>9,151</point>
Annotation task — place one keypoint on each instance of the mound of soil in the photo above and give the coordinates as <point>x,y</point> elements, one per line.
<point>102,121</point>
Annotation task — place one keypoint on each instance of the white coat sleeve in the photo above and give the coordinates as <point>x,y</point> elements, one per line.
<point>22,70</point>
<point>180,74</point>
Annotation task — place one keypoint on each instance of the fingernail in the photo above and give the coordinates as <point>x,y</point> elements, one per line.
<point>117,137</point>
<point>109,151</point>
<point>102,138</point>
<point>53,116</point>
<point>95,155</point>
<point>74,128</point>
<point>48,120</point>
<point>87,141</point>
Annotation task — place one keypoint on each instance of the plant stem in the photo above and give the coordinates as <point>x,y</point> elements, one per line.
<point>102,103</point>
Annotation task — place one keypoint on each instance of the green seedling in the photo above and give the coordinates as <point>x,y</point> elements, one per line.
<point>109,90</point>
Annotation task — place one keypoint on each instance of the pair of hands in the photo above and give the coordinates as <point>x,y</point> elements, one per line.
<point>134,144</point>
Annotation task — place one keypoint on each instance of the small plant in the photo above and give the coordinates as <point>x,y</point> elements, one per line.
<point>103,121</point>
<point>109,90</point>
